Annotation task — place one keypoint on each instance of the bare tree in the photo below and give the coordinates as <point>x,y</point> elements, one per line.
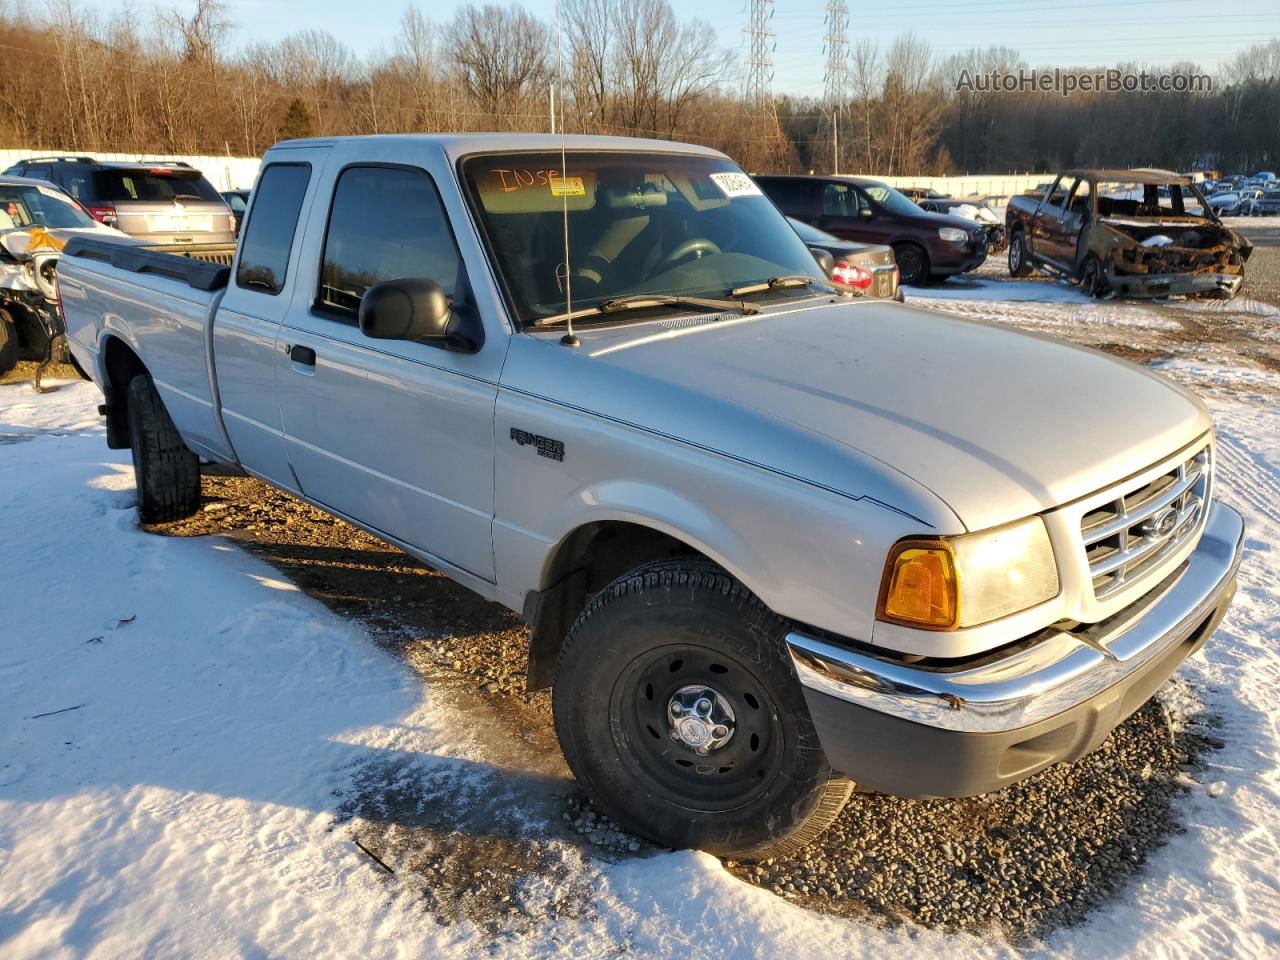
<point>500,57</point>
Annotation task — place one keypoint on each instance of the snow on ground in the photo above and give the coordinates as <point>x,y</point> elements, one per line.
<point>1238,223</point>
<point>178,723</point>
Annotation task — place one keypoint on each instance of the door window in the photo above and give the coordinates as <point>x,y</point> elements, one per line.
<point>1081,199</point>
<point>268,238</point>
<point>793,197</point>
<point>839,200</point>
<point>386,223</point>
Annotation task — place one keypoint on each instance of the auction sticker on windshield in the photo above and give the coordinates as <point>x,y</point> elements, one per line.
<point>567,187</point>
<point>736,184</point>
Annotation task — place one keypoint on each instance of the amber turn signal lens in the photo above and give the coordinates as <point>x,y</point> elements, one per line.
<point>919,587</point>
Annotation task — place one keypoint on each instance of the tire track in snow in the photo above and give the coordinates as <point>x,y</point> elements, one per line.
<point>1250,482</point>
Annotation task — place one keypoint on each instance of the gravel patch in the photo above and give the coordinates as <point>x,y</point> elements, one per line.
<point>1033,857</point>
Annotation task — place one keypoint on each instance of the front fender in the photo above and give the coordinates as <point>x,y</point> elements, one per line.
<point>809,553</point>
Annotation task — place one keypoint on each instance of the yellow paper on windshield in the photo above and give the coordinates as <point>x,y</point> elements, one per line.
<point>533,189</point>
<point>568,187</point>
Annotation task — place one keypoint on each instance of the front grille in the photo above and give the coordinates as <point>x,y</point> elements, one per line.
<point>1128,537</point>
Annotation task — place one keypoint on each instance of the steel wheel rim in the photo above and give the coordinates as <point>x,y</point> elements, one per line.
<point>739,767</point>
<point>915,266</point>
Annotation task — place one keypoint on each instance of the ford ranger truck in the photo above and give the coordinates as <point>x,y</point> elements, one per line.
<point>770,540</point>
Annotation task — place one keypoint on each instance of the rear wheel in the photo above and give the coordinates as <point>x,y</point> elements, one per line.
<point>1019,264</point>
<point>678,711</point>
<point>913,263</point>
<point>166,472</point>
<point>8,346</point>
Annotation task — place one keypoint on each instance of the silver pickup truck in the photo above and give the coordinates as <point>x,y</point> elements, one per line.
<point>771,541</point>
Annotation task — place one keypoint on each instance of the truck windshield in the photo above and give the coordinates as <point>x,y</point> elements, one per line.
<point>639,223</point>
<point>32,206</point>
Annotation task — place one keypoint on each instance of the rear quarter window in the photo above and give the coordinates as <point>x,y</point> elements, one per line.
<point>273,221</point>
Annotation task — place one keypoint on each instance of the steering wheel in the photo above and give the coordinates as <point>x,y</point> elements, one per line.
<point>693,247</point>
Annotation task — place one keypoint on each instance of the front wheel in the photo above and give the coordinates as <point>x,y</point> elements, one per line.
<point>679,713</point>
<point>1019,264</point>
<point>913,263</point>
<point>1093,279</point>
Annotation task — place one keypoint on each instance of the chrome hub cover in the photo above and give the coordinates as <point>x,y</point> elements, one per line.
<point>700,718</point>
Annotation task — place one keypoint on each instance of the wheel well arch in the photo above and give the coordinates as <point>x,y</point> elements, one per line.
<point>585,561</point>
<point>119,365</point>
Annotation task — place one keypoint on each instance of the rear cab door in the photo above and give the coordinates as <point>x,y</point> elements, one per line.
<point>246,329</point>
<point>394,434</point>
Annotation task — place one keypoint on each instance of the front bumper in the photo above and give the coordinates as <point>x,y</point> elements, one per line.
<point>1221,285</point>
<point>919,731</point>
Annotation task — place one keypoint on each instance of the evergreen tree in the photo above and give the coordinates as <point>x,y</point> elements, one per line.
<point>297,121</point>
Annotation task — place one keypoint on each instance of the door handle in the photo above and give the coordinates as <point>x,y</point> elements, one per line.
<point>303,355</point>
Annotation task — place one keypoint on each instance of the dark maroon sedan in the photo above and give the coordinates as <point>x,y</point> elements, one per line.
<point>926,245</point>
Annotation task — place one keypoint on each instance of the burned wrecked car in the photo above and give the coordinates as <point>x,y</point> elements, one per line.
<point>1135,233</point>
<point>36,221</point>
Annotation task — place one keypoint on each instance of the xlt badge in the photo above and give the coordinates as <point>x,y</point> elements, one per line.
<point>546,447</point>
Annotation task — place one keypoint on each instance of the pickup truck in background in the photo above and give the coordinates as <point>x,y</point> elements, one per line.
<point>1135,233</point>
<point>770,539</point>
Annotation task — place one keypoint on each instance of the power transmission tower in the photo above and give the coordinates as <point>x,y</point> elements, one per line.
<point>835,92</point>
<point>760,58</point>
<point>836,87</point>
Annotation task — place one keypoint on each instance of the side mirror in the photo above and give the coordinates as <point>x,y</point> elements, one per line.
<point>824,258</point>
<point>411,309</point>
<point>865,212</point>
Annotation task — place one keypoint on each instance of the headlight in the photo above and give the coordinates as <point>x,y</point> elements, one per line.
<point>952,234</point>
<point>946,584</point>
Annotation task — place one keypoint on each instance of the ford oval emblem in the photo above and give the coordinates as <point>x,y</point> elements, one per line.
<point>1160,525</point>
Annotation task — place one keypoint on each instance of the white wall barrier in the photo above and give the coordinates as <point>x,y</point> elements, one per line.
<point>996,186</point>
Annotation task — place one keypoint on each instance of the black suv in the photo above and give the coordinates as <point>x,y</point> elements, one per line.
<point>162,201</point>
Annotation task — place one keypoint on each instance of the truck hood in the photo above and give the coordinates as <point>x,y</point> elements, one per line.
<point>860,396</point>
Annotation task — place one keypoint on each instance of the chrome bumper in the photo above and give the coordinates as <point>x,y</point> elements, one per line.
<point>1059,672</point>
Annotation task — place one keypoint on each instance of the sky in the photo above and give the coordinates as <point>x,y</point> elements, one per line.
<point>1092,32</point>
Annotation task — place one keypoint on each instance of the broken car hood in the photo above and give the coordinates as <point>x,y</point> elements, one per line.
<point>858,396</point>
<point>23,243</point>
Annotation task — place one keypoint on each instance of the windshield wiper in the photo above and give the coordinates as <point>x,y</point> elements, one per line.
<point>644,301</point>
<point>777,283</point>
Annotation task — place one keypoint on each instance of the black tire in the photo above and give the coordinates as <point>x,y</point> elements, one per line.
<point>913,263</point>
<point>1093,279</point>
<point>1019,263</point>
<point>166,472</point>
<point>670,626</point>
<point>8,347</point>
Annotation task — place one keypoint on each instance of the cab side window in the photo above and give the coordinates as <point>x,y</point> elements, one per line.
<point>386,223</point>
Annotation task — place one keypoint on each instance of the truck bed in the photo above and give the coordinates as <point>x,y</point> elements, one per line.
<point>170,300</point>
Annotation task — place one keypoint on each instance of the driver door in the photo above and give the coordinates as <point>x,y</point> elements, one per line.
<point>848,214</point>
<point>395,434</point>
